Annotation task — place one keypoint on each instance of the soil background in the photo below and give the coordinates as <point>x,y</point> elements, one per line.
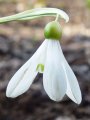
<point>18,42</point>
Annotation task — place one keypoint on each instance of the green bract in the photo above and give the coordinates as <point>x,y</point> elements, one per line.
<point>35,13</point>
<point>53,30</point>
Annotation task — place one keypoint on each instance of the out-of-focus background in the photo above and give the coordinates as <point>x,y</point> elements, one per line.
<point>19,40</point>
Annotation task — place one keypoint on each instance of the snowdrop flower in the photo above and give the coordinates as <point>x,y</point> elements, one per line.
<point>58,77</point>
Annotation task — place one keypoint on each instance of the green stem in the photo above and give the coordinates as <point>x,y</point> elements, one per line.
<point>57,17</point>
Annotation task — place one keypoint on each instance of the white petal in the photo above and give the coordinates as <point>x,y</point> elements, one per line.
<point>42,58</point>
<point>54,75</point>
<point>24,77</point>
<point>73,89</point>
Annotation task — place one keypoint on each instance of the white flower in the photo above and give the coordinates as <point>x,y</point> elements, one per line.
<point>58,77</point>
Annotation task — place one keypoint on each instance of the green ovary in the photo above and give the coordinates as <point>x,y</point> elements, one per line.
<point>53,31</point>
<point>40,68</point>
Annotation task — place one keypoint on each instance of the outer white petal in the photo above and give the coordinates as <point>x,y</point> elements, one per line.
<point>54,75</point>
<point>73,89</point>
<point>24,77</point>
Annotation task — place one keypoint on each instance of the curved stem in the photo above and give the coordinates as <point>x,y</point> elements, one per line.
<point>57,17</point>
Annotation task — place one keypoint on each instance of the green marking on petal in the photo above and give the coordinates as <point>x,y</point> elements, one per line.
<point>40,68</point>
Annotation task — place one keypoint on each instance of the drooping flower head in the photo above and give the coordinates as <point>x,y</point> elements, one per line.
<point>58,77</point>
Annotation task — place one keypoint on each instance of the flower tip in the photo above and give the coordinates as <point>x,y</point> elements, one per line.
<point>79,100</point>
<point>78,103</point>
<point>7,92</point>
<point>10,95</point>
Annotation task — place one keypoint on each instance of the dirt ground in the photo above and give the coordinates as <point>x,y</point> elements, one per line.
<point>18,41</point>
